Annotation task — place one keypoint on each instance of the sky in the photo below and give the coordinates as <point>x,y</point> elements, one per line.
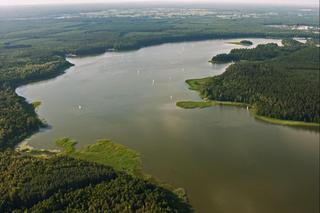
<point>287,2</point>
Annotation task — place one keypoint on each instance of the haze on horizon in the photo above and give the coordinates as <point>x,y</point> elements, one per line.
<point>275,2</point>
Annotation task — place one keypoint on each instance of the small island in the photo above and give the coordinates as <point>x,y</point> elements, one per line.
<point>243,43</point>
<point>206,103</point>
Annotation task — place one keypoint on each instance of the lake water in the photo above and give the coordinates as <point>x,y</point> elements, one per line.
<point>225,159</point>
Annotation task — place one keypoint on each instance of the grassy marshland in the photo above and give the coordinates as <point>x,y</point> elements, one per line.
<point>105,152</point>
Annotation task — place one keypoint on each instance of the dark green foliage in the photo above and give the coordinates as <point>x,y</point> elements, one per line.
<point>292,43</point>
<point>121,194</point>
<point>17,118</point>
<point>260,53</point>
<point>281,82</point>
<point>246,42</point>
<point>15,74</point>
<point>66,184</point>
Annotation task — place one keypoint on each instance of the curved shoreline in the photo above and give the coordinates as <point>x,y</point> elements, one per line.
<point>206,104</point>
<point>283,122</point>
<point>101,51</point>
<point>62,71</point>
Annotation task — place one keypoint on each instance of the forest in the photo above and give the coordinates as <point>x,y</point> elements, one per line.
<point>280,82</point>
<point>17,118</point>
<point>33,47</point>
<point>260,53</point>
<point>29,184</point>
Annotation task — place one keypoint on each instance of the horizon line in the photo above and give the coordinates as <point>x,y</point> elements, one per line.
<point>162,2</point>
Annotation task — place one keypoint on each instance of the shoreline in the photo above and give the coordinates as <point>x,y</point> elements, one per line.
<point>208,103</point>
<point>62,70</point>
<point>120,157</point>
<point>275,121</point>
<point>137,47</point>
<point>281,122</point>
<point>180,39</point>
<point>24,146</point>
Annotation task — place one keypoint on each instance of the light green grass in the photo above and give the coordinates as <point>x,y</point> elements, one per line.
<point>204,104</point>
<point>67,144</point>
<point>105,152</point>
<point>108,153</point>
<point>198,84</point>
<point>283,122</point>
<point>36,104</point>
<point>193,104</point>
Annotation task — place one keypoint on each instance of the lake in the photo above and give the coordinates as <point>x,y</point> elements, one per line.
<point>225,159</point>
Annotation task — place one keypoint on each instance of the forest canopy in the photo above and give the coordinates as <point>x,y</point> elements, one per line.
<point>66,184</point>
<point>280,82</point>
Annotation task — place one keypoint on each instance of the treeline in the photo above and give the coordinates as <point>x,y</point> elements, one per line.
<point>280,82</point>
<point>260,53</point>
<point>17,118</point>
<point>13,75</point>
<point>66,184</point>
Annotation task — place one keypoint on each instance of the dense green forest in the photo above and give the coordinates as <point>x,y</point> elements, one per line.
<point>280,82</point>
<point>66,184</point>
<point>17,118</point>
<point>260,53</point>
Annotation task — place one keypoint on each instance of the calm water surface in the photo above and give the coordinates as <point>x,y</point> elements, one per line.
<point>227,161</point>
